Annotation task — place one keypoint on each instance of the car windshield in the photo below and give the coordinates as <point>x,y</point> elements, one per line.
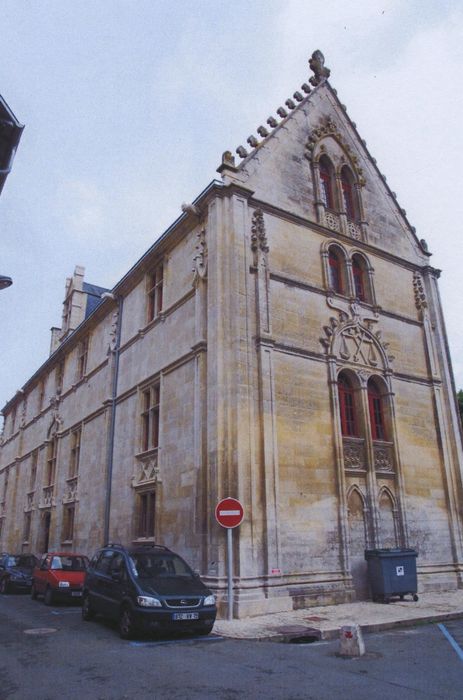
<point>26,562</point>
<point>65,563</point>
<point>155,565</point>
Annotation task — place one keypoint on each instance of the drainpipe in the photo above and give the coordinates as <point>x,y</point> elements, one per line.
<point>112,425</point>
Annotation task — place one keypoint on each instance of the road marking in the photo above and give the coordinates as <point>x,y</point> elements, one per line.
<point>451,640</point>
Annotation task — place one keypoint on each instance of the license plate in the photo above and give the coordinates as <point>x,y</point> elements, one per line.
<point>185,616</point>
<point>76,594</point>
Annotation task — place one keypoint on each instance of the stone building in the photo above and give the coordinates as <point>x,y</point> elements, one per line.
<point>301,366</point>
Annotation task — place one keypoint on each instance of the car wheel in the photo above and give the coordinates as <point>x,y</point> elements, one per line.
<point>87,611</point>
<point>204,630</point>
<point>4,585</point>
<point>127,625</point>
<point>48,597</point>
<point>33,592</point>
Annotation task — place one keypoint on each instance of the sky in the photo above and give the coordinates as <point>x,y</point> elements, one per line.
<point>129,105</point>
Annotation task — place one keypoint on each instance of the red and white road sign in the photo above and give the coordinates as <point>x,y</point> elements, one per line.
<point>229,512</point>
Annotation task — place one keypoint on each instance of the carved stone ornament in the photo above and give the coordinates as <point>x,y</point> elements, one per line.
<point>258,234</point>
<point>351,339</point>
<point>147,471</point>
<point>329,128</point>
<point>317,66</point>
<point>200,259</point>
<point>383,459</point>
<point>56,420</point>
<point>354,455</point>
<point>420,295</point>
<point>113,332</point>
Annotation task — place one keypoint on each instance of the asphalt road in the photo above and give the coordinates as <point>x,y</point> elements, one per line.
<point>88,660</point>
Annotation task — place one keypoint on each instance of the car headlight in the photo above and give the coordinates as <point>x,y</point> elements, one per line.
<point>147,601</point>
<point>209,600</point>
<point>63,584</point>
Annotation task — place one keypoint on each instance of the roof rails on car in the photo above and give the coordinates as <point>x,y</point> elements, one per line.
<point>148,545</point>
<point>115,544</point>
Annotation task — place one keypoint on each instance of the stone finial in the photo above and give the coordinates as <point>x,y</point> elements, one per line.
<point>228,159</point>
<point>242,152</point>
<point>272,122</point>
<point>252,141</point>
<point>317,66</point>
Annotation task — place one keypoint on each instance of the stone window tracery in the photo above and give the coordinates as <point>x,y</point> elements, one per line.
<point>154,292</point>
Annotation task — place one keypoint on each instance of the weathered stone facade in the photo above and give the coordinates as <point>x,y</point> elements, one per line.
<point>283,343</point>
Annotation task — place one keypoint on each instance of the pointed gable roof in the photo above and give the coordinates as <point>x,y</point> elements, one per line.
<point>278,162</point>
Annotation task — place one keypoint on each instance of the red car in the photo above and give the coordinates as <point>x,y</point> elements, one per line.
<point>59,576</point>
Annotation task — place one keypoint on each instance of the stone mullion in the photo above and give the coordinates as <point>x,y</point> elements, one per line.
<point>371,481</point>
<point>340,469</point>
<point>318,201</point>
<point>339,200</point>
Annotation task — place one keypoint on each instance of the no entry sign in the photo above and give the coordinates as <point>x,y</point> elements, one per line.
<point>229,512</point>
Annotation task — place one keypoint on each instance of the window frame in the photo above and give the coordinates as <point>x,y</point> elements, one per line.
<point>50,471</point>
<point>82,356</point>
<point>69,514</point>
<point>347,408</point>
<point>327,190</point>
<point>376,413</point>
<point>335,267</point>
<point>155,292</point>
<point>146,514</point>
<point>150,417</point>
<point>75,445</point>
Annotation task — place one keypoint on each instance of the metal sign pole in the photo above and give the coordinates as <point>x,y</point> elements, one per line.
<point>230,572</point>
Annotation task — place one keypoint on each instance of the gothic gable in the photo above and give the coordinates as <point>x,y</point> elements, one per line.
<point>283,167</point>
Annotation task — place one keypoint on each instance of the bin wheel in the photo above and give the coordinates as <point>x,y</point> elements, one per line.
<point>415,597</point>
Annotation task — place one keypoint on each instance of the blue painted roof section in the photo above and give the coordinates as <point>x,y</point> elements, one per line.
<point>93,297</point>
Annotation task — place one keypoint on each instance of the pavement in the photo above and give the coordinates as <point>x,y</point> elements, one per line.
<point>324,622</point>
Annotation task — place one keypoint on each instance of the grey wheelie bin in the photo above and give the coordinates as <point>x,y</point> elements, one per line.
<point>391,573</point>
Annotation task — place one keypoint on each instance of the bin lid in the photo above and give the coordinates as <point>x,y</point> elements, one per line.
<point>390,552</point>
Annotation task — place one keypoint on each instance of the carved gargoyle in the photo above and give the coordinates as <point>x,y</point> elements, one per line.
<point>317,65</point>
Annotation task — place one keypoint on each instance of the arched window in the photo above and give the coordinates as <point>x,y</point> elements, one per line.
<point>360,281</point>
<point>348,194</point>
<point>326,182</point>
<point>347,407</point>
<point>335,271</point>
<point>376,408</point>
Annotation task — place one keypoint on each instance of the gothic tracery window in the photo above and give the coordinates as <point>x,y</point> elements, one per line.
<point>348,194</point>
<point>335,270</point>
<point>326,182</point>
